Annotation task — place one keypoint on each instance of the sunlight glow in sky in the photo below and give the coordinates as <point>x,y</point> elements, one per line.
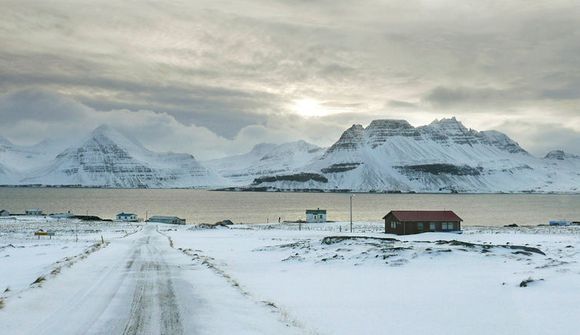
<point>215,77</point>
<point>307,107</point>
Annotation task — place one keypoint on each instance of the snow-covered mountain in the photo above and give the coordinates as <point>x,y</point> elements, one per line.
<point>444,156</point>
<point>25,158</point>
<point>387,155</point>
<point>7,176</point>
<point>266,159</point>
<point>17,160</point>
<point>107,158</point>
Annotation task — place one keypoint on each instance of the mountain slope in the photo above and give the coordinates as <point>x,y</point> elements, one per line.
<point>108,158</point>
<point>444,156</point>
<point>26,158</point>
<point>266,159</point>
<point>7,176</point>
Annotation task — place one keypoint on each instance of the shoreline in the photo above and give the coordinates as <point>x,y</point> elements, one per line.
<point>235,189</point>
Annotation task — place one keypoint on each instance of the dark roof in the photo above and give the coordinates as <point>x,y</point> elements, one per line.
<point>415,216</point>
<point>316,211</point>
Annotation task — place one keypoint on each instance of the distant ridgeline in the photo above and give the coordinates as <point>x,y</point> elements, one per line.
<point>386,156</point>
<point>393,156</point>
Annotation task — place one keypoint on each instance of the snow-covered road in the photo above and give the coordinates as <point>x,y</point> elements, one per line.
<point>137,285</point>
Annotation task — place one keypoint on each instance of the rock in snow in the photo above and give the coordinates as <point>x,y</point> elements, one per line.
<point>561,155</point>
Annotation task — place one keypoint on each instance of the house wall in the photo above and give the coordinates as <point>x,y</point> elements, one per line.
<point>127,217</point>
<point>315,217</point>
<point>409,228</point>
<point>33,213</point>
<point>169,221</point>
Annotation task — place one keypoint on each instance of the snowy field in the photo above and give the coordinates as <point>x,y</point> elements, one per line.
<point>430,283</point>
<point>286,279</point>
<point>25,257</point>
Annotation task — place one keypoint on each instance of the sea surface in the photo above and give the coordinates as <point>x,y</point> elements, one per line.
<point>201,206</point>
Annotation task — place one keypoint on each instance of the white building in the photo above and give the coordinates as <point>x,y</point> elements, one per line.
<point>4,212</point>
<point>34,211</point>
<point>315,215</point>
<point>127,217</point>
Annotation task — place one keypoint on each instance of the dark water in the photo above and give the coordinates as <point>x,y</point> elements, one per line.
<point>206,206</point>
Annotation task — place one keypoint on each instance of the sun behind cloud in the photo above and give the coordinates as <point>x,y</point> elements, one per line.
<point>308,107</point>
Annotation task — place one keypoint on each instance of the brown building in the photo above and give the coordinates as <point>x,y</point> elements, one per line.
<point>415,222</point>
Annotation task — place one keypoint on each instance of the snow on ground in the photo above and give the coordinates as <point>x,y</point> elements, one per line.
<point>523,280</point>
<point>25,257</point>
<point>137,284</point>
<point>287,279</point>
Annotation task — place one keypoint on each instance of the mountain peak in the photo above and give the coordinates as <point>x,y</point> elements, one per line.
<point>103,130</point>
<point>378,131</point>
<point>110,158</point>
<point>262,148</point>
<point>389,124</point>
<point>107,133</point>
<point>301,144</point>
<point>448,124</point>
<point>350,139</point>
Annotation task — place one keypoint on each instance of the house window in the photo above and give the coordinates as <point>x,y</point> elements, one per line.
<point>447,226</point>
<point>393,225</point>
<point>420,226</point>
<point>432,226</point>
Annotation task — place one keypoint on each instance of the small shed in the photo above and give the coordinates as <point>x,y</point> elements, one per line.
<point>415,222</point>
<point>166,219</point>
<point>127,217</point>
<point>315,215</point>
<point>34,211</point>
<point>4,212</point>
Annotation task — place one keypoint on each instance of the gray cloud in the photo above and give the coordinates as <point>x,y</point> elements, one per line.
<point>401,104</point>
<point>39,106</point>
<point>542,138</point>
<point>31,116</point>
<point>231,66</point>
<point>476,97</point>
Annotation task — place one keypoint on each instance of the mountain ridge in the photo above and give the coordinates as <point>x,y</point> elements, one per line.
<point>108,158</point>
<point>443,156</point>
<point>386,155</point>
<point>263,159</point>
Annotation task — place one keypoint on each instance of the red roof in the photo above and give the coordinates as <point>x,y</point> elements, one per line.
<point>414,216</point>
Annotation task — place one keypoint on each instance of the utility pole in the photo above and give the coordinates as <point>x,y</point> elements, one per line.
<point>352,195</point>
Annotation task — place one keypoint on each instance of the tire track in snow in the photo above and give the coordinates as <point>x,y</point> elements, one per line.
<point>208,262</point>
<point>154,297</point>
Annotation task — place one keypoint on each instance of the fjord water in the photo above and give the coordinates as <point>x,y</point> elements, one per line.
<point>198,206</point>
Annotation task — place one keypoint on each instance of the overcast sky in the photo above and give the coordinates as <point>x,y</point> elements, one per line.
<point>216,77</point>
